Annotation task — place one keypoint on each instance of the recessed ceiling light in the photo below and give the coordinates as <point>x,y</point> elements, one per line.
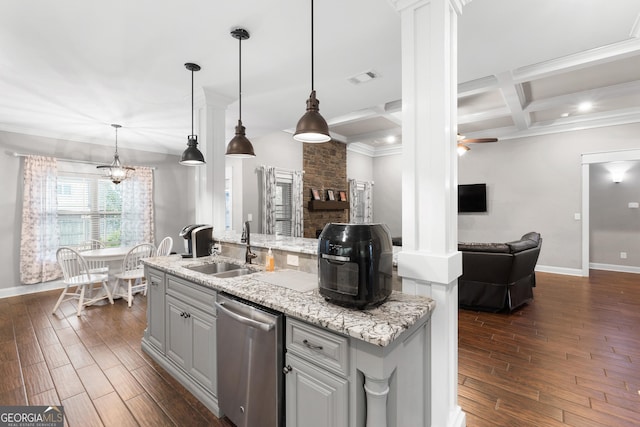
<point>367,76</point>
<point>564,115</point>
<point>585,106</point>
<point>391,139</point>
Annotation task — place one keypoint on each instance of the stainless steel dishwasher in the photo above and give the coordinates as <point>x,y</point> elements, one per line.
<point>250,383</point>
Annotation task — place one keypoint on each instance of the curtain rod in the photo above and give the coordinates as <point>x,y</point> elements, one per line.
<point>261,167</point>
<point>85,162</point>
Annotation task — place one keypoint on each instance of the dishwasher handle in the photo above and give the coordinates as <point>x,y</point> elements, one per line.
<point>256,324</point>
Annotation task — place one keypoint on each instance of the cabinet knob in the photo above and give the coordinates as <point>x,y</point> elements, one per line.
<point>287,369</point>
<point>154,283</point>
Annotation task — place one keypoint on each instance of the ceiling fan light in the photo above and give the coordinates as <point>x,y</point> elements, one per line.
<point>240,147</point>
<point>462,149</point>
<point>312,127</point>
<point>192,156</point>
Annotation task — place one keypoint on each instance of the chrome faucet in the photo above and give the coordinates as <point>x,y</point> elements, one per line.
<point>246,238</point>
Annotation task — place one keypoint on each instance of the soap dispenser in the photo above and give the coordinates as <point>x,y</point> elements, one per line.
<point>270,262</point>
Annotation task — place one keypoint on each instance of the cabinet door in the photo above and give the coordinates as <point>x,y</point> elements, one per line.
<point>155,308</point>
<point>315,397</point>
<point>178,332</point>
<point>202,365</point>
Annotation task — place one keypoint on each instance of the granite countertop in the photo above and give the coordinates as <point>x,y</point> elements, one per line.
<point>266,241</point>
<point>377,325</point>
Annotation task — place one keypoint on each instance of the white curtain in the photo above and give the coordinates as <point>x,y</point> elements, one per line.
<point>269,202</point>
<point>368,202</point>
<point>39,239</point>
<point>296,202</point>
<point>353,201</point>
<point>137,208</point>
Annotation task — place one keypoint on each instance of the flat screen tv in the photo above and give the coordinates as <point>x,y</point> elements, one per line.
<point>472,198</point>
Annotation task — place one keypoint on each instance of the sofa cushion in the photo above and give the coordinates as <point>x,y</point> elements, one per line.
<point>521,245</point>
<point>484,247</point>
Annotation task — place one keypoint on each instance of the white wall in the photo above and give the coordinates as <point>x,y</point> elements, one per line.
<point>614,227</point>
<point>173,188</point>
<point>359,166</point>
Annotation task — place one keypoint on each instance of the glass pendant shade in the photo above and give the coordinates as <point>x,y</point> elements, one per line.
<point>116,172</point>
<point>192,156</point>
<point>239,146</point>
<point>312,127</point>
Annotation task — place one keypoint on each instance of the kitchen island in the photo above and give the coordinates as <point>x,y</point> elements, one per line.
<point>371,369</point>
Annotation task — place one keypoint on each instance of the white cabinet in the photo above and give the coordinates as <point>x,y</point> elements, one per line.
<point>315,397</point>
<point>191,341</point>
<point>317,387</point>
<point>155,307</point>
<point>181,333</point>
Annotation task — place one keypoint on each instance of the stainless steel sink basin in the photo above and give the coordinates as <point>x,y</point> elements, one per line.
<point>221,269</point>
<point>233,273</point>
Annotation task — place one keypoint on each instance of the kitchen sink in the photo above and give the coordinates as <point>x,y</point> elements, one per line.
<point>221,269</point>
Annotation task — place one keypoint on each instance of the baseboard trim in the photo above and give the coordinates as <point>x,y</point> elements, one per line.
<point>559,270</point>
<point>614,267</point>
<point>31,289</point>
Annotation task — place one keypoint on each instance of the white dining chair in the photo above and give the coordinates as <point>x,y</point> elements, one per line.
<point>165,246</point>
<point>95,266</point>
<point>77,275</point>
<point>133,272</point>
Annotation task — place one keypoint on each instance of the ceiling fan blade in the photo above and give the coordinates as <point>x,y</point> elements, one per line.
<point>478,140</point>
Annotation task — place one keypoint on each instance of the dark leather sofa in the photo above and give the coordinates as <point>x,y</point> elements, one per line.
<point>498,276</point>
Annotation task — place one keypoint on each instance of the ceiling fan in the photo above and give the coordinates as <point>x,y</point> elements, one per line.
<point>462,143</point>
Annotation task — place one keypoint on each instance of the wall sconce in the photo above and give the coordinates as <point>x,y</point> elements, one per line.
<point>617,176</point>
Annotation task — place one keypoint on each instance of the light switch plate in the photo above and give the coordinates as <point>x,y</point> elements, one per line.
<point>577,216</point>
<point>634,205</point>
<point>293,260</point>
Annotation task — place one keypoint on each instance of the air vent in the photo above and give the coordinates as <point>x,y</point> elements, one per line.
<point>367,76</point>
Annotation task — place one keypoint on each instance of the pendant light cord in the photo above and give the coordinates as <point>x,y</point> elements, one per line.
<point>240,78</point>
<point>192,102</point>
<point>116,139</point>
<point>312,85</point>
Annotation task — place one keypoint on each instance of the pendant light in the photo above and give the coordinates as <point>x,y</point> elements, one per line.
<point>312,127</point>
<point>240,146</point>
<point>192,156</point>
<point>115,171</point>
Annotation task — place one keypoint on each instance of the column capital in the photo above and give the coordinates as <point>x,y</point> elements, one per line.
<point>400,5</point>
<point>216,100</point>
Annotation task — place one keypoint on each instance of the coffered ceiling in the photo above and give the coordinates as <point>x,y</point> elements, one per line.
<point>68,69</point>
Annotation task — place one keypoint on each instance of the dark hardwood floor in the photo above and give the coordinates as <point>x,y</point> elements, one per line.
<point>570,358</point>
<point>93,365</point>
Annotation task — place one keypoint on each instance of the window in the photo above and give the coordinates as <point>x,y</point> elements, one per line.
<point>89,208</point>
<point>284,211</point>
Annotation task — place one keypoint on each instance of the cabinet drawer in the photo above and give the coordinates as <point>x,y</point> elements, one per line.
<point>192,293</point>
<point>328,350</point>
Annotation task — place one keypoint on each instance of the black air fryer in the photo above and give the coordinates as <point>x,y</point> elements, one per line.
<point>355,263</point>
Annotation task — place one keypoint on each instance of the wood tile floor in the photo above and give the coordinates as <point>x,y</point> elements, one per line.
<point>571,358</point>
<point>93,365</point>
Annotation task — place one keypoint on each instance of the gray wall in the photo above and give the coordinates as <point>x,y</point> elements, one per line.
<point>387,192</point>
<point>534,184</point>
<point>277,149</point>
<point>173,189</point>
<point>614,227</point>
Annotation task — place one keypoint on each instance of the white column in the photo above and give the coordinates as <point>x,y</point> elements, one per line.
<point>210,179</point>
<point>430,263</point>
